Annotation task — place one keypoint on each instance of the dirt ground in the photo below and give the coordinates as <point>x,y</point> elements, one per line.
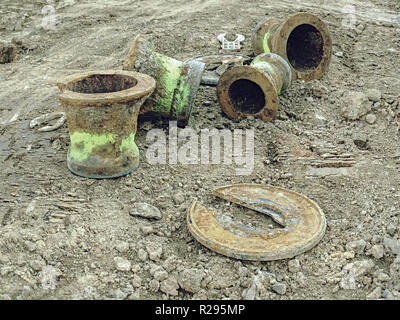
<point>65,237</point>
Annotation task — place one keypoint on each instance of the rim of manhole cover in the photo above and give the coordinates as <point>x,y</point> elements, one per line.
<point>302,220</point>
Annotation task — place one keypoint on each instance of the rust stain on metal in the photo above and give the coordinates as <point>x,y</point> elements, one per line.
<point>303,224</point>
<point>177,82</point>
<point>302,39</point>
<point>102,109</point>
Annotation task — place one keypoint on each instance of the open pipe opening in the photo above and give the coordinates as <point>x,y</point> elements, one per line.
<point>102,83</point>
<point>305,48</point>
<point>246,96</point>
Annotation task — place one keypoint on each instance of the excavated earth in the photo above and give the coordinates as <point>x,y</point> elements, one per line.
<point>335,140</point>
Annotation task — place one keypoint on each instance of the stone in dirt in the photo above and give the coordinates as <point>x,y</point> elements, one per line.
<point>377,251</point>
<point>170,286</point>
<point>190,280</point>
<point>376,294</point>
<point>374,95</point>
<point>393,245</point>
<point>155,251</point>
<point>356,246</point>
<point>355,105</point>
<point>353,271</point>
<point>361,141</point>
<point>370,118</point>
<point>8,52</point>
<point>294,266</point>
<point>279,288</point>
<point>146,210</point>
<point>122,264</point>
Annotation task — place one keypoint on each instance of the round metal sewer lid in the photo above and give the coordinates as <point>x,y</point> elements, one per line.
<point>302,220</point>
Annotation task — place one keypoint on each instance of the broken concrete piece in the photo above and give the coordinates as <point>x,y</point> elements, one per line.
<point>355,105</point>
<point>190,280</point>
<point>170,286</point>
<point>393,245</point>
<point>374,95</point>
<point>146,210</point>
<point>122,264</point>
<point>8,51</point>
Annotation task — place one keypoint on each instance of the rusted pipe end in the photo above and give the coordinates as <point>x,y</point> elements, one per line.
<point>253,90</point>
<point>104,87</point>
<point>177,82</point>
<point>102,109</point>
<point>302,39</point>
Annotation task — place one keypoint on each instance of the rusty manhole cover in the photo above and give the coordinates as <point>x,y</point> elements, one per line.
<point>302,223</point>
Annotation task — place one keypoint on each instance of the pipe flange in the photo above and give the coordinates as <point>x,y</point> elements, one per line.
<point>245,91</point>
<point>302,39</point>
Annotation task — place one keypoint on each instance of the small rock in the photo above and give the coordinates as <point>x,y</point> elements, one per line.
<point>155,251</point>
<point>154,285</point>
<point>355,105</point>
<point>146,210</point>
<point>190,280</point>
<point>136,281</point>
<point>391,229</point>
<point>377,251</point>
<point>122,264</point>
<point>386,294</point>
<point>147,229</point>
<point>393,245</point>
<point>178,198</point>
<point>170,286</point>
<point>37,265</point>
<point>382,277</point>
<point>370,118</point>
<point>294,266</point>
<point>251,292</point>
<point>374,95</point>
<point>119,294</point>
<point>279,288</point>
<point>161,275</point>
<point>356,246</point>
<point>143,255</point>
<point>361,141</point>
<point>134,296</point>
<point>376,294</point>
<point>122,246</point>
<point>349,255</point>
<point>8,51</point>
<point>339,54</point>
<point>354,270</point>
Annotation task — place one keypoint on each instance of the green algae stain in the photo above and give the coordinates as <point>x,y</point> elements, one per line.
<point>83,144</point>
<point>169,79</point>
<point>265,42</point>
<point>128,144</point>
<point>182,97</point>
<point>263,65</point>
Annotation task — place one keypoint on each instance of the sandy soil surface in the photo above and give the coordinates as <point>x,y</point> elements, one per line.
<point>64,237</point>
